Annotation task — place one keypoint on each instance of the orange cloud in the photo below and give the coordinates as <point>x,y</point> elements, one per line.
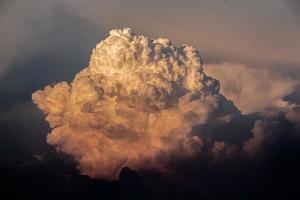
<point>138,97</point>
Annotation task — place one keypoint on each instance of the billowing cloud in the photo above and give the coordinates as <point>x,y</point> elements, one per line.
<point>275,125</point>
<point>138,97</point>
<point>261,91</point>
<point>251,89</point>
<point>141,102</point>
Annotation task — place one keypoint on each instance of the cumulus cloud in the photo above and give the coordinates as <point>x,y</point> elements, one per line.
<point>251,89</point>
<point>274,125</point>
<point>138,97</point>
<point>141,102</point>
<point>261,91</point>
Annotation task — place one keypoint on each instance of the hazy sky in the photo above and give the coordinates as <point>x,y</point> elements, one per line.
<point>256,31</point>
<point>239,30</point>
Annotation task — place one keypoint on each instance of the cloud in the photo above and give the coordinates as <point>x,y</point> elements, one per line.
<point>29,29</point>
<point>16,28</point>
<point>52,46</point>
<point>19,137</point>
<point>251,89</point>
<point>274,127</point>
<point>141,102</point>
<point>137,98</point>
<point>264,93</point>
<point>50,41</point>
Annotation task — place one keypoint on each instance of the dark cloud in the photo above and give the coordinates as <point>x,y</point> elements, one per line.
<point>272,174</point>
<point>58,47</point>
<point>23,132</point>
<point>294,6</point>
<point>294,97</point>
<point>54,52</point>
<point>234,132</point>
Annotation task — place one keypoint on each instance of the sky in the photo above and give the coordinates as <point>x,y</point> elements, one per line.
<point>251,47</point>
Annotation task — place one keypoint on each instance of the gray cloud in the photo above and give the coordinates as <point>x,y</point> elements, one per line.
<point>51,45</point>
<point>55,41</point>
<point>253,89</point>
